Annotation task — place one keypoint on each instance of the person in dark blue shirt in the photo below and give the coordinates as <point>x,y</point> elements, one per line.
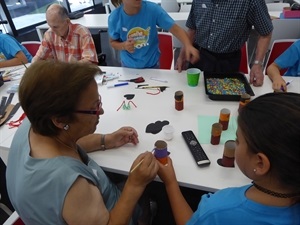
<point>219,29</point>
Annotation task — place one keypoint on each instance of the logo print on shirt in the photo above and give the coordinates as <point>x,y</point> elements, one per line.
<point>140,36</point>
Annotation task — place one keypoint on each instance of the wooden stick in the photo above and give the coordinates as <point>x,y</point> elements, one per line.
<point>134,168</point>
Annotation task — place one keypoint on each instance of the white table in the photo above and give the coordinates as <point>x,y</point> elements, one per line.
<point>181,2</point>
<point>152,108</point>
<point>100,21</point>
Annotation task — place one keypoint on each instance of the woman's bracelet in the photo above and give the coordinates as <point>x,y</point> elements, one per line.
<point>102,144</point>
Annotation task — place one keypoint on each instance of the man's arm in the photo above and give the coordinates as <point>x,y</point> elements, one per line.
<point>181,60</point>
<point>262,47</point>
<point>256,73</point>
<point>19,59</point>
<point>181,34</point>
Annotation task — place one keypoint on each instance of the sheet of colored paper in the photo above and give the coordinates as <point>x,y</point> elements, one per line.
<point>204,129</point>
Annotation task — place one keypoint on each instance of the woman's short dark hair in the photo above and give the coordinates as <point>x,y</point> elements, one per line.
<point>271,125</point>
<point>51,89</point>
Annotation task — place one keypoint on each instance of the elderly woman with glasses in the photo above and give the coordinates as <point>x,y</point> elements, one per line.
<point>50,177</point>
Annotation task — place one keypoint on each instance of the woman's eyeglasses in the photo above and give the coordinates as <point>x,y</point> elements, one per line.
<point>92,112</point>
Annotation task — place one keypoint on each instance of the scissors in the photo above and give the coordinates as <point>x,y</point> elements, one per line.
<point>135,80</point>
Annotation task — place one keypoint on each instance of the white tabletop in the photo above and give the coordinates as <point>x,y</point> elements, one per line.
<point>181,2</point>
<point>152,108</point>
<point>100,21</point>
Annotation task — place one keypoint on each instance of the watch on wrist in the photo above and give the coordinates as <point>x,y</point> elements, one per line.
<point>257,62</point>
<point>102,144</point>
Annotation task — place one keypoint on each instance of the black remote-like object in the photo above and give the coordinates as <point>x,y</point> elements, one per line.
<point>195,148</point>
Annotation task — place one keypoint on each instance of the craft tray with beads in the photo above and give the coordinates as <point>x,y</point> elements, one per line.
<point>226,87</point>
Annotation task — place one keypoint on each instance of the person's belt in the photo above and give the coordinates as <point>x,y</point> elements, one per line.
<point>219,55</point>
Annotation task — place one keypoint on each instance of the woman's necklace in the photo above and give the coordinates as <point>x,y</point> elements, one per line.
<point>275,194</point>
<point>74,148</point>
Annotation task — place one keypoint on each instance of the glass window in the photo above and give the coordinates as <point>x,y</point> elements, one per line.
<point>25,13</point>
<point>76,5</point>
<point>2,27</point>
<point>29,13</point>
<point>97,2</point>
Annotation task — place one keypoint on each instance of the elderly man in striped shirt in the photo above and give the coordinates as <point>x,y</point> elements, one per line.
<point>65,41</point>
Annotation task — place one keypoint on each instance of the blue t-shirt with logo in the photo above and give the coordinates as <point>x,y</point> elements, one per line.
<point>142,28</point>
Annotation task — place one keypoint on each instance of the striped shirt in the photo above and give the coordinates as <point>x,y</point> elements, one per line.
<point>78,45</point>
<point>223,26</point>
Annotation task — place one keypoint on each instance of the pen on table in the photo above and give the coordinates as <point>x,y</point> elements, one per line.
<point>156,79</point>
<point>117,85</point>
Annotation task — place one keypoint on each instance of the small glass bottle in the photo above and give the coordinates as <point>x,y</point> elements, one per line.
<point>216,131</point>
<point>178,100</point>
<point>245,99</point>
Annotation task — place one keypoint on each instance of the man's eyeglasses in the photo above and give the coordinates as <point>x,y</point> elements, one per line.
<point>92,112</point>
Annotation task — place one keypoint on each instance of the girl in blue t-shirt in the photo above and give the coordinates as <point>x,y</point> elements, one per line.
<point>267,152</point>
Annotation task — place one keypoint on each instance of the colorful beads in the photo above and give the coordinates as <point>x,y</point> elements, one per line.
<point>225,86</point>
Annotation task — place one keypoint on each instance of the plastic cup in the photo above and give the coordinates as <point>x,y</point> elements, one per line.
<point>168,131</point>
<point>193,75</point>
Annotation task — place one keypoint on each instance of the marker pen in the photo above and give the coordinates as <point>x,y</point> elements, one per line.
<point>287,83</point>
<point>117,85</point>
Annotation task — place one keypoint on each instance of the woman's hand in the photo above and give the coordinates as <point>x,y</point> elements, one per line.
<point>121,137</point>
<point>143,170</point>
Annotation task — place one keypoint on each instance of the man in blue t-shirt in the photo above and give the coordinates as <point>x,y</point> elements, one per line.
<point>12,53</point>
<point>132,29</point>
<point>290,60</point>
